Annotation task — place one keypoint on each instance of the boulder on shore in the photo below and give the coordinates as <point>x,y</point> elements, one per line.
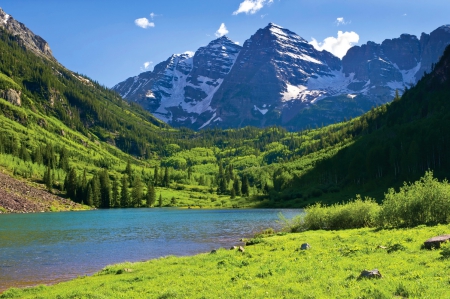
<point>435,242</point>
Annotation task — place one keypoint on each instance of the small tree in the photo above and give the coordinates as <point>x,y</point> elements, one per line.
<point>151,195</point>
<point>160,200</point>
<point>115,194</point>
<point>136,193</point>
<point>124,196</point>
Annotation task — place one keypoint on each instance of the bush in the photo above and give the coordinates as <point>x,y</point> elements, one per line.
<point>354,214</point>
<point>426,201</point>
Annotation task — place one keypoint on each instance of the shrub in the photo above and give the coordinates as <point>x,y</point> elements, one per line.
<point>426,201</point>
<point>354,214</point>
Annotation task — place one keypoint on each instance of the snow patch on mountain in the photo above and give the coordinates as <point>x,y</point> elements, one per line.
<point>6,18</point>
<point>262,111</point>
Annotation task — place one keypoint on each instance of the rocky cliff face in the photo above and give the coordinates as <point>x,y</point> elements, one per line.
<point>25,36</point>
<point>180,90</point>
<point>278,78</point>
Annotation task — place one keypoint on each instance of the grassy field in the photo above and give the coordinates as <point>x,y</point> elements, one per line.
<point>276,268</point>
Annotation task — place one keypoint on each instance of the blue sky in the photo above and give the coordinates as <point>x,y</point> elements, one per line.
<point>103,40</point>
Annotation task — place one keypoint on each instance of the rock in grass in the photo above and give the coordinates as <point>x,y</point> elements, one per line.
<point>233,247</point>
<point>213,251</point>
<point>126,270</point>
<point>241,249</point>
<point>370,274</point>
<point>435,242</point>
<point>305,246</point>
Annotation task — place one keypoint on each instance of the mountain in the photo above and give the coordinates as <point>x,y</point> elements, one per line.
<point>278,78</point>
<point>180,89</point>
<point>25,36</point>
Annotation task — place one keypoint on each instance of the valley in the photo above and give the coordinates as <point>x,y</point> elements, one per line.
<point>272,124</point>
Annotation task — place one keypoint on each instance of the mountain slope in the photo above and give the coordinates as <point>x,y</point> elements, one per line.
<point>181,88</point>
<point>278,78</point>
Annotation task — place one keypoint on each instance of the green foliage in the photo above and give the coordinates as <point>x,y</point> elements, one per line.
<point>354,214</point>
<point>426,201</point>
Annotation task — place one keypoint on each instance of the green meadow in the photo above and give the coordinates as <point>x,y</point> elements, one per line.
<point>276,268</point>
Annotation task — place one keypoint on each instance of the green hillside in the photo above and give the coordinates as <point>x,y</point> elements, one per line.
<point>84,142</point>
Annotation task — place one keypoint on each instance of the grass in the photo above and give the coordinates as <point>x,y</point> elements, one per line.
<point>276,268</point>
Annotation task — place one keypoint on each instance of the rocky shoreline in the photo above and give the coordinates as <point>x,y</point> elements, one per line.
<point>18,197</point>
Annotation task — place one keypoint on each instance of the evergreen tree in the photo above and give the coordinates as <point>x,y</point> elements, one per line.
<point>48,179</point>
<point>173,201</point>
<point>166,178</point>
<point>71,185</point>
<point>95,186</point>
<point>189,172</point>
<point>37,156</point>
<point>124,195</point>
<point>82,188</point>
<point>89,196</point>
<point>245,188</point>
<point>64,159</point>
<point>237,186</point>
<point>160,203</point>
<point>136,193</point>
<point>233,193</point>
<point>128,170</point>
<point>24,154</point>
<point>151,195</point>
<point>105,189</point>
<point>155,176</point>
<point>115,194</point>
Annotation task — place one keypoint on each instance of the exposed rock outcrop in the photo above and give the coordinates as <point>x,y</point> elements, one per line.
<point>25,36</point>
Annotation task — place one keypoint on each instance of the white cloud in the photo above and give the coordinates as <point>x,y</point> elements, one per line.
<point>342,21</point>
<point>404,15</point>
<point>146,65</point>
<point>189,53</point>
<point>144,23</point>
<point>337,46</point>
<point>251,6</point>
<point>263,16</point>
<point>152,15</point>
<point>222,30</point>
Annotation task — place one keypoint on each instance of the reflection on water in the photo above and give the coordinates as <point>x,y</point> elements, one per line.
<point>52,247</point>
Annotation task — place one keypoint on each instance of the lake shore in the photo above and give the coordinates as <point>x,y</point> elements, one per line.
<point>275,267</point>
<point>41,248</point>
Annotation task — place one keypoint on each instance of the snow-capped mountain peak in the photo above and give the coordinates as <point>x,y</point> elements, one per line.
<point>276,75</point>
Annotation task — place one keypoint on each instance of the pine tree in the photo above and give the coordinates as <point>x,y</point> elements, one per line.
<point>64,159</point>
<point>155,176</point>
<point>124,195</point>
<point>136,193</point>
<point>89,196</point>
<point>189,172</point>
<point>128,170</point>
<point>245,188</point>
<point>233,193</point>
<point>115,194</point>
<point>71,184</point>
<point>96,192</point>
<point>166,178</point>
<point>105,189</point>
<point>24,154</point>
<point>160,203</point>
<point>236,186</point>
<point>151,195</point>
<point>48,179</point>
<point>37,156</point>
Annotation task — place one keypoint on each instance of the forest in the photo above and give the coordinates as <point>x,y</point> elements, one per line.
<point>84,142</point>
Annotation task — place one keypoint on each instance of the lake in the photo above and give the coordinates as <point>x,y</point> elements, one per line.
<point>47,248</point>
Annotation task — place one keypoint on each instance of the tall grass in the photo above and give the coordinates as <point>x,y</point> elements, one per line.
<point>426,201</point>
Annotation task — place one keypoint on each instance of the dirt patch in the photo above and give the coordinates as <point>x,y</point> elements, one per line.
<point>16,196</point>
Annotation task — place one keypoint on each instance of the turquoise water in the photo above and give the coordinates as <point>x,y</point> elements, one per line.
<point>51,247</point>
